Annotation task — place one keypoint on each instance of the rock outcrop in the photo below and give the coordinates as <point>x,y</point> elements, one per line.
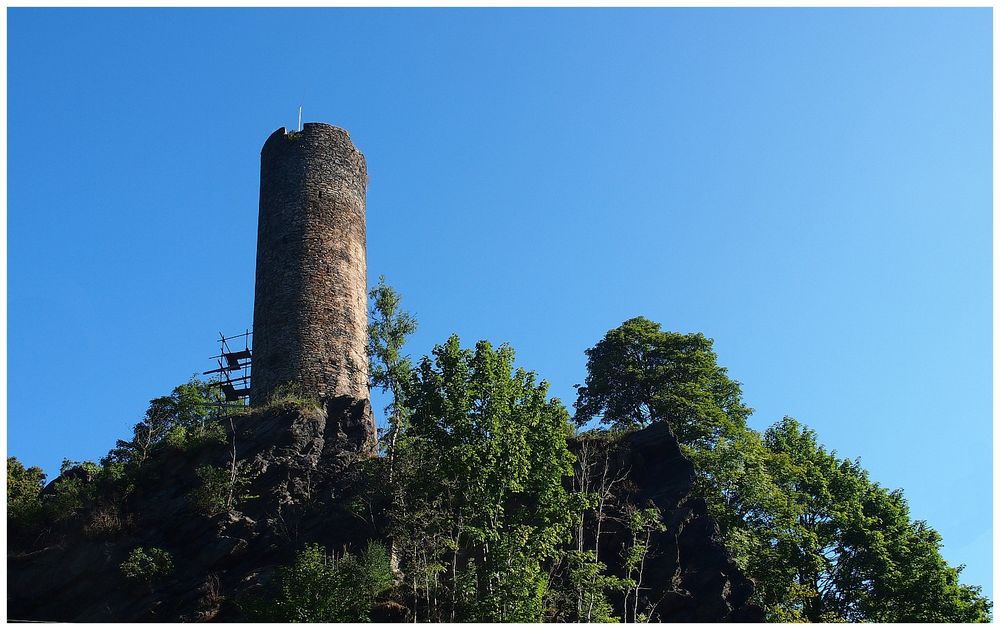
<point>302,468</point>
<point>309,477</point>
<point>688,575</point>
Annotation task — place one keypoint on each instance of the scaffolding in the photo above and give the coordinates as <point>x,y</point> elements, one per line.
<point>234,367</point>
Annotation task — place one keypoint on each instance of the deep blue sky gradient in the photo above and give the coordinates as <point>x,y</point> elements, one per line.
<point>810,188</point>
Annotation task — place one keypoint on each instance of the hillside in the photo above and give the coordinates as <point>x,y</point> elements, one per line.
<point>305,475</point>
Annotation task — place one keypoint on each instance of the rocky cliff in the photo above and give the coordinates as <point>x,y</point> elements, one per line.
<point>688,576</point>
<point>304,482</point>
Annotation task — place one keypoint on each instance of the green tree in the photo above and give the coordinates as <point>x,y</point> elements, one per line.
<point>482,501</point>
<point>75,488</point>
<point>191,409</point>
<point>585,597</point>
<point>221,489</point>
<point>852,550</point>
<point>640,374</point>
<point>599,486</point>
<point>320,588</point>
<point>641,524</point>
<point>388,328</point>
<point>819,490</point>
<point>24,488</point>
<point>821,541</point>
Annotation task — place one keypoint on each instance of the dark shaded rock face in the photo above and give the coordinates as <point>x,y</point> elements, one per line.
<point>312,479</point>
<point>689,574</point>
<point>305,466</point>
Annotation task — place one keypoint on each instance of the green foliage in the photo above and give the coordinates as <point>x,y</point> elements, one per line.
<point>147,565</point>
<point>485,524</point>
<point>639,374</point>
<point>176,438</point>
<point>821,541</point>
<point>221,489</point>
<point>480,501</point>
<point>24,488</point>
<point>186,438</point>
<point>87,468</point>
<point>391,371</point>
<point>187,417</point>
<point>83,488</point>
<point>319,588</point>
<point>23,483</point>
<point>581,590</point>
<point>70,496</point>
<point>586,598</point>
<point>75,488</point>
<point>641,523</point>
<point>212,495</point>
<point>388,328</point>
<point>845,549</point>
<point>290,395</point>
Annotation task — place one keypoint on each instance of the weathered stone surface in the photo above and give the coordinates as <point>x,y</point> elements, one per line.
<point>689,575</point>
<point>310,300</point>
<point>305,475</point>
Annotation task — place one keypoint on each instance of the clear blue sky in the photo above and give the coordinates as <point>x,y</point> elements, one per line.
<point>810,188</point>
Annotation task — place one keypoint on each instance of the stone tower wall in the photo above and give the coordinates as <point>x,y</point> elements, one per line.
<point>310,304</point>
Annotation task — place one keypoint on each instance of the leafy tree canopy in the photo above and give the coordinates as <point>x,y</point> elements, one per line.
<point>820,539</point>
<point>23,487</point>
<point>390,370</point>
<point>481,501</point>
<point>640,374</point>
<point>190,407</point>
<point>847,546</point>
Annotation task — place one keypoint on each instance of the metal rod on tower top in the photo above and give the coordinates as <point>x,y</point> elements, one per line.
<point>300,118</point>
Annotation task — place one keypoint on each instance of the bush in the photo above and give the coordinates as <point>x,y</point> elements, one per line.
<point>218,491</point>
<point>105,523</point>
<point>210,433</point>
<point>176,438</point>
<point>290,395</point>
<point>325,589</point>
<point>212,496</point>
<point>187,438</point>
<point>81,486</point>
<point>190,408</point>
<point>147,565</point>
<point>88,470</point>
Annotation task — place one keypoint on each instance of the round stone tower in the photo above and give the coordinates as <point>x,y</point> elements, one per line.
<point>310,304</point>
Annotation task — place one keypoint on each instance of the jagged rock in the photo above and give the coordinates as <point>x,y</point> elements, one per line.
<point>689,574</point>
<point>302,461</point>
<point>308,470</point>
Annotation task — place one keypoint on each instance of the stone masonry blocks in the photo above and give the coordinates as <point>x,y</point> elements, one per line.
<point>310,304</point>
